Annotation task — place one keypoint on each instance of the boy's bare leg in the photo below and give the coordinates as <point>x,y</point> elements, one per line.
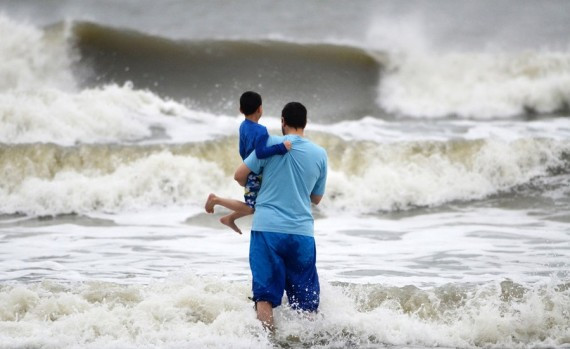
<point>230,219</point>
<point>265,315</point>
<point>234,205</point>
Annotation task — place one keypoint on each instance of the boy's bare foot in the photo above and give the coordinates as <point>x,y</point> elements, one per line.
<point>227,220</point>
<point>210,203</point>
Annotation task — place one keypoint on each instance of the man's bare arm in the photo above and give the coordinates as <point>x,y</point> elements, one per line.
<point>316,199</point>
<point>241,174</point>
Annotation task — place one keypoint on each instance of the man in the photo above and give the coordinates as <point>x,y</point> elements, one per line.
<point>282,252</point>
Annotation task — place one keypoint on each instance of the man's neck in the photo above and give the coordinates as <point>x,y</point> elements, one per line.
<point>290,131</point>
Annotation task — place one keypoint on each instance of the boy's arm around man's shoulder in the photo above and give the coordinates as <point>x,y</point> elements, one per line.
<point>262,151</point>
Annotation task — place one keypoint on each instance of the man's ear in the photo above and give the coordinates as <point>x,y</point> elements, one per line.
<point>282,122</point>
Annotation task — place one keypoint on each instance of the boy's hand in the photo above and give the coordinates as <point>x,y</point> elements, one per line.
<point>287,145</point>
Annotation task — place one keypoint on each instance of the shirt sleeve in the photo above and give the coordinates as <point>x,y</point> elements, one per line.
<point>241,147</point>
<point>263,151</point>
<point>319,188</point>
<point>254,163</point>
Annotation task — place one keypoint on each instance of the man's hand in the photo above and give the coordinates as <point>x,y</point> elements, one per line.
<point>241,174</point>
<point>316,199</point>
<point>287,145</point>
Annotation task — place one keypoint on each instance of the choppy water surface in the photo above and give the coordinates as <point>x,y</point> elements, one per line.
<point>446,220</point>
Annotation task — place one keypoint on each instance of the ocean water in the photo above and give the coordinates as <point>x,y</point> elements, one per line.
<point>446,219</point>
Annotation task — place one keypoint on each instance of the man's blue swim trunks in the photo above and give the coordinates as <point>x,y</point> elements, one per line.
<point>252,186</point>
<point>284,262</point>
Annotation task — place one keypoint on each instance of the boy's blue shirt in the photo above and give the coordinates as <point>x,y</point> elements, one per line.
<point>253,136</point>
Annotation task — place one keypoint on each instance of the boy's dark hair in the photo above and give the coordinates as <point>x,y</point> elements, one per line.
<point>295,115</point>
<point>249,102</point>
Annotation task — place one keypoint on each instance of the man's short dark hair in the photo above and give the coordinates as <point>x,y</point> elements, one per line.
<point>249,102</point>
<point>295,115</point>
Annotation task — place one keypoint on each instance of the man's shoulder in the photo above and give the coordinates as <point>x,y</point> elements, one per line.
<point>317,148</point>
<point>321,149</point>
<point>275,140</point>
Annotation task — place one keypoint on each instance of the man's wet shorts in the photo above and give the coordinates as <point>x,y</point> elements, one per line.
<point>284,262</point>
<point>252,186</point>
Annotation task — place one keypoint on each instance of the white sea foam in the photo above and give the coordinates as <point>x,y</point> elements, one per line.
<point>382,131</point>
<point>40,102</point>
<point>400,176</point>
<point>211,313</point>
<point>158,180</point>
<point>103,115</point>
<point>422,78</point>
<point>32,58</point>
<point>364,177</point>
<point>475,85</point>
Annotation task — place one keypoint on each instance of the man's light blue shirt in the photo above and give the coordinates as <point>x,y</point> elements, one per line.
<point>284,201</point>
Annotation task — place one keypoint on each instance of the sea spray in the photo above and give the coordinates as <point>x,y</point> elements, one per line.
<point>476,85</point>
<point>33,59</point>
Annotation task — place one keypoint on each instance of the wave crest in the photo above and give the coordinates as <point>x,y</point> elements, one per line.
<point>476,85</point>
<point>32,58</point>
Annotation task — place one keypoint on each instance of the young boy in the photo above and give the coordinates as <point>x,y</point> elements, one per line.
<point>252,137</point>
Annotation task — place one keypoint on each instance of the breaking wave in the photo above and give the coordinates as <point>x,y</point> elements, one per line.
<point>477,85</point>
<point>211,313</point>
<point>364,177</point>
<point>337,82</point>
